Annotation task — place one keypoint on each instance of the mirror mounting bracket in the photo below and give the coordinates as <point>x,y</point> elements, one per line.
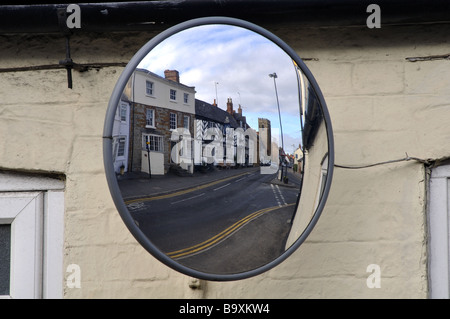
<point>67,62</point>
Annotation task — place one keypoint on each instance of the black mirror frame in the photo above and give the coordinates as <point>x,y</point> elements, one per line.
<point>108,160</point>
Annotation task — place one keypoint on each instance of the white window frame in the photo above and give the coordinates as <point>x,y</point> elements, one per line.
<point>157,138</point>
<point>121,145</point>
<point>123,112</point>
<point>149,124</point>
<point>186,98</point>
<point>186,121</point>
<point>173,94</point>
<point>174,121</point>
<point>149,88</point>
<point>438,233</point>
<point>34,206</point>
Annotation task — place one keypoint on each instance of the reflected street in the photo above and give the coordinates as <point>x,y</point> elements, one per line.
<point>206,222</point>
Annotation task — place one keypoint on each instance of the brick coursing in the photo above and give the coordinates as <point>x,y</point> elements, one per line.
<point>162,128</point>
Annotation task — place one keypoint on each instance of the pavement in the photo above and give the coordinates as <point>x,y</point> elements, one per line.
<point>135,185</point>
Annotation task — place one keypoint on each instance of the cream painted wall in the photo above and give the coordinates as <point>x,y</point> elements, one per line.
<point>381,105</point>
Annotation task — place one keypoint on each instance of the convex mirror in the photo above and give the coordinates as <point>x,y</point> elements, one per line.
<point>218,148</point>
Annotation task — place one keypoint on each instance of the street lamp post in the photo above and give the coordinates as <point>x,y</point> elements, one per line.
<point>217,98</point>
<point>148,155</point>
<point>274,76</point>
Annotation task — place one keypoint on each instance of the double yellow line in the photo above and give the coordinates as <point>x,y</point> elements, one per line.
<point>146,199</point>
<point>222,235</point>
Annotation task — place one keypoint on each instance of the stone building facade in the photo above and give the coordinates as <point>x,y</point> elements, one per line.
<point>155,116</point>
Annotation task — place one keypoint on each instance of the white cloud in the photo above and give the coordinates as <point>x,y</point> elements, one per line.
<point>240,61</point>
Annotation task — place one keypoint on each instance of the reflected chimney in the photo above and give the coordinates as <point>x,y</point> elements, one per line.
<point>230,105</point>
<point>172,75</point>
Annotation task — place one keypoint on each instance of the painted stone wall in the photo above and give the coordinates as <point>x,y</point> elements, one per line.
<point>382,107</point>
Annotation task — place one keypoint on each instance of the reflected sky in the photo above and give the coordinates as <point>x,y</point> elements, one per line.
<point>223,61</point>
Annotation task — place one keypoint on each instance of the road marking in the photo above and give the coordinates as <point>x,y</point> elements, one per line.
<point>136,206</point>
<point>281,194</point>
<point>185,191</point>
<point>240,179</point>
<point>221,186</point>
<point>276,195</point>
<point>182,200</point>
<point>186,252</point>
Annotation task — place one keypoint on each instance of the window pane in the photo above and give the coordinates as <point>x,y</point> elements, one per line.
<point>173,121</point>
<point>5,252</point>
<point>173,94</point>
<point>123,113</point>
<point>156,142</point>
<point>149,87</point>
<point>149,119</point>
<point>121,151</point>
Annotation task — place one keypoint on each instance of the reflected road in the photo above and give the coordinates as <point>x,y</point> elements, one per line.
<point>216,218</point>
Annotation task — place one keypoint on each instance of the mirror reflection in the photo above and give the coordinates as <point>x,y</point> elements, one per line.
<point>220,149</point>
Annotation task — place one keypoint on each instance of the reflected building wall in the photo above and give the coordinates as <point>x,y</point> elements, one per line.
<point>315,146</point>
<point>209,118</point>
<point>225,129</point>
<point>159,106</point>
<point>265,135</point>
<point>313,176</point>
<point>121,135</point>
<point>298,158</point>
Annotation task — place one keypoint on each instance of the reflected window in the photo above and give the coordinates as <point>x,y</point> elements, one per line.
<point>186,122</point>
<point>123,112</point>
<point>150,118</point>
<point>121,147</point>
<point>173,95</point>
<point>173,121</point>
<point>149,88</point>
<point>154,142</point>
